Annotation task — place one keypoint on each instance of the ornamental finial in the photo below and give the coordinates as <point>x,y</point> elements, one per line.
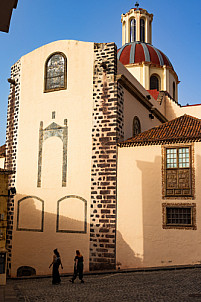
<point>137,5</point>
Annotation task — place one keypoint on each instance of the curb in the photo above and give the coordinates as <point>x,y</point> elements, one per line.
<point>122,271</point>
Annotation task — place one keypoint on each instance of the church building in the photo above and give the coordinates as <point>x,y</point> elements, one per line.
<point>105,159</point>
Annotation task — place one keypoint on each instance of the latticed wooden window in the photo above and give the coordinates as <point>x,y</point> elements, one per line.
<point>178,171</point>
<point>55,72</point>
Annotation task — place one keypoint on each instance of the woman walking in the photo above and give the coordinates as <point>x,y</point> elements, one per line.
<point>55,270</point>
<point>78,267</point>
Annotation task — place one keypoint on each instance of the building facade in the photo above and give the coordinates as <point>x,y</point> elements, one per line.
<point>72,108</point>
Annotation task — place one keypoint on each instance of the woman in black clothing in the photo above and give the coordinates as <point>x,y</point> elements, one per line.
<point>78,267</point>
<point>55,270</point>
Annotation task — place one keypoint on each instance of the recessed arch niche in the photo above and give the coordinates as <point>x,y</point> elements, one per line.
<point>72,214</point>
<point>30,214</point>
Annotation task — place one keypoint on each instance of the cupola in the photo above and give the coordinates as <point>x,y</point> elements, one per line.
<point>136,26</point>
<point>149,65</point>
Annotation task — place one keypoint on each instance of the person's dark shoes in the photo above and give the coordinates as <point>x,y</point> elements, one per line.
<point>82,281</point>
<point>71,280</point>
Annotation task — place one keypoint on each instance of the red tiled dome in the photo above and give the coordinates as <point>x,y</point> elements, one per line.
<point>138,52</point>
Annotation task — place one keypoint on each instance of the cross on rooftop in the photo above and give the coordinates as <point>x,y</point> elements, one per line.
<point>137,4</point>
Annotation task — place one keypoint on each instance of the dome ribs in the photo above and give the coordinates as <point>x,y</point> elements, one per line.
<point>153,56</point>
<point>125,55</point>
<point>138,52</point>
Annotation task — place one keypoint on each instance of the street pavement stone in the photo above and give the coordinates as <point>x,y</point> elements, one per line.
<point>182,285</point>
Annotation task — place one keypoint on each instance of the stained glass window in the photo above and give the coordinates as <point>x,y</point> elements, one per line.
<point>55,72</point>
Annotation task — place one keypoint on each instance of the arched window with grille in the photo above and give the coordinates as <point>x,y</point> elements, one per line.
<point>136,126</point>
<point>133,30</point>
<point>56,72</point>
<point>173,90</point>
<point>142,30</point>
<point>154,82</point>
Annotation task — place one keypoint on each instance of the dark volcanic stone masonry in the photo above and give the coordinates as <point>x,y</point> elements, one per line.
<point>11,147</point>
<point>107,129</point>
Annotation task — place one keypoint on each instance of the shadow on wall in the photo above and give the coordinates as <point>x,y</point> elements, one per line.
<point>151,208</point>
<point>126,256</point>
<point>38,234</point>
<point>38,231</point>
<point>163,247</point>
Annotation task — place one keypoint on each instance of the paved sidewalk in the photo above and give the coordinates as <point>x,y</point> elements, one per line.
<point>183,285</point>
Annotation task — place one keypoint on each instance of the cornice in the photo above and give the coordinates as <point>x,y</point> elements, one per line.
<point>140,97</point>
<point>160,142</point>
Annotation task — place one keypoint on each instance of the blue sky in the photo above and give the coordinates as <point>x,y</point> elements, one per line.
<point>176,31</point>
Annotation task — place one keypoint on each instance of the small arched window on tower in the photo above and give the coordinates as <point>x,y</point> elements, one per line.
<point>142,30</point>
<point>173,90</point>
<point>154,82</point>
<point>136,126</point>
<point>55,72</point>
<point>133,30</point>
<point>124,29</point>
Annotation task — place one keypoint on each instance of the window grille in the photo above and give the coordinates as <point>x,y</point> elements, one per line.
<point>179,216</point>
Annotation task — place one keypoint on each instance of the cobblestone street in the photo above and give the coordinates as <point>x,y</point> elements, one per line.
<point>165,286</point>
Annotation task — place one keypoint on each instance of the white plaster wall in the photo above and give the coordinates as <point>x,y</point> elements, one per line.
<point>141,240</point>
<point>136,71</point>
<point>194,110</point>
<point>74,104</point>
<point>133,107</point>
<point>2,161</point>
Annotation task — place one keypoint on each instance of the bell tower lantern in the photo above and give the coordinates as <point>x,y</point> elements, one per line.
<point>137,26</point>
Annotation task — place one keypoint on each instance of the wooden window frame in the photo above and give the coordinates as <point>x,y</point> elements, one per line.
<point>178,192</point>
<point>191,226</point>
<point>65,73</point>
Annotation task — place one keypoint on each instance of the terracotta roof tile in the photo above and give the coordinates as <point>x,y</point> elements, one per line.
<point>183,128</point>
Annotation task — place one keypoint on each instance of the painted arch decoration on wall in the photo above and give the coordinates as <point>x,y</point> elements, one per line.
<point>30,214</point>
<point>72,214</point>
<point>53,130</point>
